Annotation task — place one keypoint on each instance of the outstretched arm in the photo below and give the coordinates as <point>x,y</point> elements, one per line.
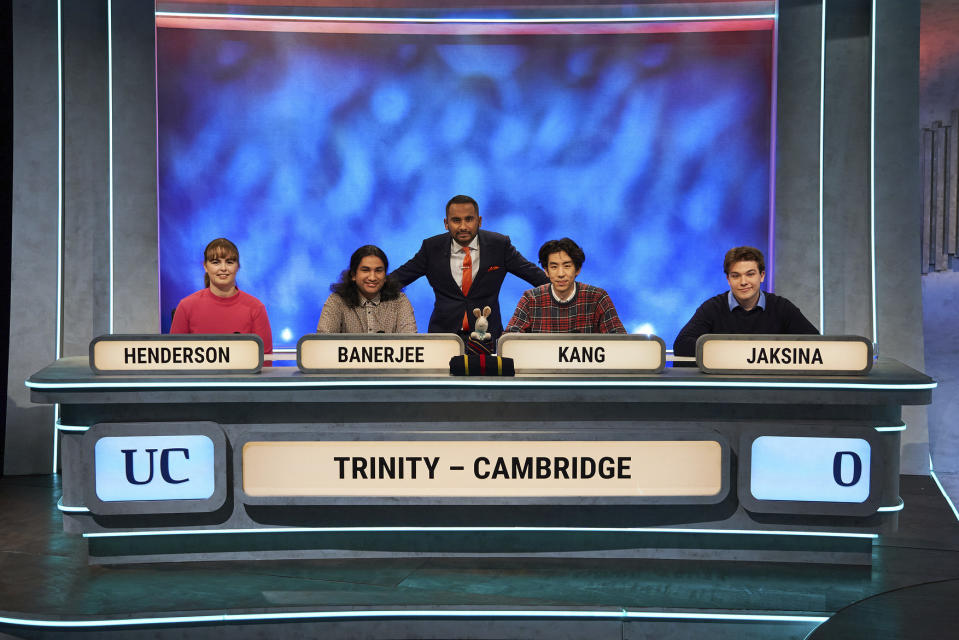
<point>519,266</point>
<point>414,268</point>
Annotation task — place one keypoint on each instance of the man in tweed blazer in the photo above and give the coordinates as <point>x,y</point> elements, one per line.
<point>442,258</point>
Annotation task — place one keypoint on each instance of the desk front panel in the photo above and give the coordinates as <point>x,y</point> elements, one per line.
<point>846,480</point>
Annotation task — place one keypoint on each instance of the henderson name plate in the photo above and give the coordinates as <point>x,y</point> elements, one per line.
<point>583,352</point>
<point>377,352</point>
<point>180,353</point>
<point>786,354</point>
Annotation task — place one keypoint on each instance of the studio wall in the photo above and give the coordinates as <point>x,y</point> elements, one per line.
<point>61,293</point>
<point>938,101</point>
<point>97,193</point>
<point>643,147</point>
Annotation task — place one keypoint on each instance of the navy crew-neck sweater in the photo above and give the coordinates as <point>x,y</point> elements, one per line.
<point>714,316</point>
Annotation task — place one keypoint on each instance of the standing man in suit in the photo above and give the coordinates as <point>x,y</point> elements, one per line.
<point>466,268</point>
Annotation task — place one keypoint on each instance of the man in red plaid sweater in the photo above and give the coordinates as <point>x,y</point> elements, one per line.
<point>564,305</point>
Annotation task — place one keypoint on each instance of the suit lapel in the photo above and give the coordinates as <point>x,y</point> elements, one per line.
<point>445,265</point>
<point>484,258</point>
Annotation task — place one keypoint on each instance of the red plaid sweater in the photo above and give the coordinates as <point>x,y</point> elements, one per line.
<point>589,311</point>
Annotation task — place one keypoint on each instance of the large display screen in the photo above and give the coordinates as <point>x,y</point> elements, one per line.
<point>650,150</point>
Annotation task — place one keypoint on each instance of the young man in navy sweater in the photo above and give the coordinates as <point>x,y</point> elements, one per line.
<point>745,308</point>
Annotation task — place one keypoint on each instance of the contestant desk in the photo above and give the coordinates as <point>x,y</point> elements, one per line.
<point>737,521</point>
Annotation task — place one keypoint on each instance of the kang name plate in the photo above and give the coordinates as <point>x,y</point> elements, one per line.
<point>488,469</point>
<point>180,353</point>
<point>583,353</point>
<point>377,352</point>
<point>784,354</point>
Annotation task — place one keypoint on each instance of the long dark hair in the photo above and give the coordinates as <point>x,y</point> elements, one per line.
<point>346,288</point>
<point>219,248</point>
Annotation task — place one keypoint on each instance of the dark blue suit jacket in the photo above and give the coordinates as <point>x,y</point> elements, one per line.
<point>498,257</point>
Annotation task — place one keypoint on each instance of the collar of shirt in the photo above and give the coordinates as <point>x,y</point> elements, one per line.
<point>557,298</point>
<point>370,302</point>
<point>456,246</point>
<point>733,302</point>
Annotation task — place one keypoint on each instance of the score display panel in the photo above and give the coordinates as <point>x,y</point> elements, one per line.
<point>779,470</point>
<point>785,471</point>
<point>829,468</point>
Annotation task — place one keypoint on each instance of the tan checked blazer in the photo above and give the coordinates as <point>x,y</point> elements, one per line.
<point>375,316</point>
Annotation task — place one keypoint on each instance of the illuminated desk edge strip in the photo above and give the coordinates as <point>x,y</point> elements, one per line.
<point>83,428</point>
<point>71,427</point>
<point>423,20</point>
<point>900,427</point>
<point>619,614</point>
<point>897,507</point>
<point>179,532</point>
<point>480,383</point>
<point>67,509</point>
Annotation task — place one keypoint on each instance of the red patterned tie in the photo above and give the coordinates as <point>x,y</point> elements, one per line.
<point>467,282</point>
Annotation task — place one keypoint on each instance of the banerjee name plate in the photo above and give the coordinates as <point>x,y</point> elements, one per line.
<point>180,353</point>
<point>583,352</point>
<point>784,354</point>
<point>377,352</point>
<point>486,469</point>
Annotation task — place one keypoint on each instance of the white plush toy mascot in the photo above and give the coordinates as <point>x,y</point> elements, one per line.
<point>482,324</point>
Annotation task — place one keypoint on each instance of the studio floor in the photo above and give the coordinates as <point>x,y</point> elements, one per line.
<point>47,589</point>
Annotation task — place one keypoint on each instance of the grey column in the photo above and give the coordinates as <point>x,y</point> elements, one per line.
<point>136,278</point>
<point>33,273</point>
<point>897,192</point>
<point>846,227</point>
<point>847,185</point>
<point>85,165</point>
<point>797,154</point>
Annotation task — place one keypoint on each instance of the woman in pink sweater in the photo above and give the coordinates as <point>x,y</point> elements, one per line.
<point>220,307</point>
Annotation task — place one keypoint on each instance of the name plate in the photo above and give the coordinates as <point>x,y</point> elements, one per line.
<point>784,354</point>
<point>377,352</point>
<point>583,352</point>
<point>180,353</point>
<point>491,469</point>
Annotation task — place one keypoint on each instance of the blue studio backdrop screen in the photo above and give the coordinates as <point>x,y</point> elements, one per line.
<point>651,150</point>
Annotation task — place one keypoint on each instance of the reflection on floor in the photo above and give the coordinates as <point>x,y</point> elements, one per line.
<point>44,576</point>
